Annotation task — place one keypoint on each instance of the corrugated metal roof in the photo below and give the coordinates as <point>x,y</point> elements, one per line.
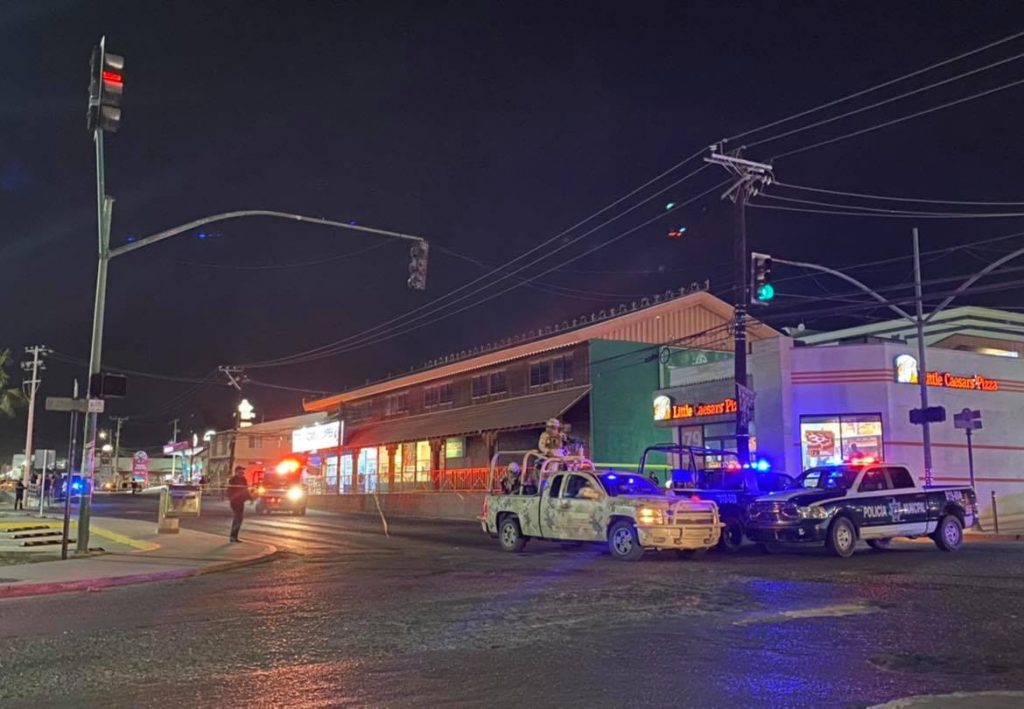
<point>507,414</point>
<point>663,322</point>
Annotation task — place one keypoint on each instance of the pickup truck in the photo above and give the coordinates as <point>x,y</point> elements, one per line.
<point>716,475</point>
<point>565,499</point>
<point>868,500</point>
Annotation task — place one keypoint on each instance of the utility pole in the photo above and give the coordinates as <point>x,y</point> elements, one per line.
<point>922,366</point>
<point>32,369</point>
<point>117,447</point>
<point>174,453</point>
<point>67,478</point>
<point>235,376</point>
<point>751,177</point>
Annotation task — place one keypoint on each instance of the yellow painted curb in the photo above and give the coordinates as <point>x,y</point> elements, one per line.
<point>122,539</point>
<point>34,523</point>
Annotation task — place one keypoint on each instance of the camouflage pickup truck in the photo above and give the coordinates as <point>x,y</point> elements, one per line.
<point>567,499</point>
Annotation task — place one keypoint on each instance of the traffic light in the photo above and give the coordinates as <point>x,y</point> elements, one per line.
<point>106,88</point>
<point>418,265</point>
<point>761,289</point>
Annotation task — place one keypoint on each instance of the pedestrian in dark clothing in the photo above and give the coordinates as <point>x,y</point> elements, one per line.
<point>238,495</point>
<point>19,495</point>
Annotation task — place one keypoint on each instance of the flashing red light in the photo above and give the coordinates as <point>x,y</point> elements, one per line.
<point>695,498</point>
<point>288,465</point>
<point>732,465</point>
<point>113,77</point>
<point>863,460</point>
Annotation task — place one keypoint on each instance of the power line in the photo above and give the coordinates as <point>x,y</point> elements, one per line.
<point>836,213</point>
<point>922,200</point>
<point>902,119</point>
<point>383,337</point>
<point>370,335</point>
<point>878,211</point>
<point>876,87</point>
<point>884,102</point>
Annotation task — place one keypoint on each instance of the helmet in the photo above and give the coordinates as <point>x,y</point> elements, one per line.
<point>553,423</point>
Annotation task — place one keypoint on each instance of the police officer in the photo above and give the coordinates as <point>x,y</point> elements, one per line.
<point>238,495</point>
<point>19,495</point>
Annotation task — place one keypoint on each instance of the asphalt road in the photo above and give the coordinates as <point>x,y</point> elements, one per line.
<point>436,615</point>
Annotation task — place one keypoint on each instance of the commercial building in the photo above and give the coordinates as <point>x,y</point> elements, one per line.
<point>254,446</point>
<point>826,397</point>
<point>437,428</point>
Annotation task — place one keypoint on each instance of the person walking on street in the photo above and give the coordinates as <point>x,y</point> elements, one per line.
<point>19,495</point>
<point>238,495</point>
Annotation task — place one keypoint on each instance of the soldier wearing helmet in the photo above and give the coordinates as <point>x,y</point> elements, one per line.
<point>552,441</point>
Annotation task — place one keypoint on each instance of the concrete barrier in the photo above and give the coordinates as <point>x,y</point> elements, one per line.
<point>428,505</point>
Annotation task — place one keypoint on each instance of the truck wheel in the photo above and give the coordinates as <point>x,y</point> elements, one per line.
<point>510,535</point>
<point>623,541</point>
<point>880,544</point>
<point>842,538</point>
<point>732,535</point>
<point>949,535</point>
<point>691,553</point>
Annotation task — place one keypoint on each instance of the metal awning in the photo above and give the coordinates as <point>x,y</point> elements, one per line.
<point>506,414</point>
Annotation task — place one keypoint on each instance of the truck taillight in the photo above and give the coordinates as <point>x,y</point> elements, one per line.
<point>484,512</point>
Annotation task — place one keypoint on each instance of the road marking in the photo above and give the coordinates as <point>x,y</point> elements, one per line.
<point>995,700</point>
<point>832,611</point>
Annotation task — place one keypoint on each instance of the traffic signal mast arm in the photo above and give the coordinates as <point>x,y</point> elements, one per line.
<point>174,231</point>
<point>851,280</point>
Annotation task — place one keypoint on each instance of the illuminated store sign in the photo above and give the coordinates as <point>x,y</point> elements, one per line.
<point>907,373</point>
<point>316,437</point>
<point>667,410</point>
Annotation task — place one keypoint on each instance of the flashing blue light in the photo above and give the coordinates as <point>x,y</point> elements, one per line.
<point>631,481</point>
<point>76,486</point>
<point>611,476</point>
<point>762,466</point>
<point>129,238</point>
<point>202,235</point>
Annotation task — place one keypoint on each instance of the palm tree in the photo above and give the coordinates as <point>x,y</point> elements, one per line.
<point>10,397</point>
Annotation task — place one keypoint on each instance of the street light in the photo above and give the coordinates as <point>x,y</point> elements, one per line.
<point>107,448</point>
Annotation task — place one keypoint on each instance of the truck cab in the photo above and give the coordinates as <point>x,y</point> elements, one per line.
<point>280,488</point>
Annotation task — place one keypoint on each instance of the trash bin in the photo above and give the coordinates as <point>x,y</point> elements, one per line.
<point>177,501</point>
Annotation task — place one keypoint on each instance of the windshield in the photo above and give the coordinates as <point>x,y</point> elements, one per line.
<point>828,478</point>
<point>617,484</point>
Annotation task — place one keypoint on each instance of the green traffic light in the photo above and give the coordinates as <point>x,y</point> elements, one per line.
<point>765,292</point>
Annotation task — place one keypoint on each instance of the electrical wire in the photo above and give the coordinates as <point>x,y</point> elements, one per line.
<point>884,102</point>
<point>885,124</point>
<point>876,87</point>
<point>888,198</point>
<point>71,359</point>
<point>805,210</point>
<point>368,335</point>
<point>878,211</point>
<point>408,327</point>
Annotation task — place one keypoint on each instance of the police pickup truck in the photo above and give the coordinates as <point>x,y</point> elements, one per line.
<point>869,500</point>
<point>716,475</point>
<point>567,499</point>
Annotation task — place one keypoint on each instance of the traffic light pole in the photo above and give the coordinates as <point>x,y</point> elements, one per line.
<point>105,206</point>
<point>922,366</point>
<point>740,309</point>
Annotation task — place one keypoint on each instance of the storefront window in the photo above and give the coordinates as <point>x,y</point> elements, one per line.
<point>408,465</point>
<point>368,469</point>
<point>346,473</point>
<point>455,448</point>
<point>827,440</point>
<point>331,477</point>
<point>422,461</point>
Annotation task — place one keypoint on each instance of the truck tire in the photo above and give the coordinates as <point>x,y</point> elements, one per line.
<point>624,542</point>
<point>691,553</point>
<point>880,544</point>
<point>842,538</point>
<point>949,535</point>
<point>510,535</point>
<point>732,534</point>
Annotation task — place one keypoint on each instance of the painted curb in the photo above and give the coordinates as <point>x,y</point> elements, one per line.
<point>986,537</point>
<point>53,587</point>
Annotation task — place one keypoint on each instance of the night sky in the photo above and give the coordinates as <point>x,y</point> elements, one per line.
<point>486,127</point>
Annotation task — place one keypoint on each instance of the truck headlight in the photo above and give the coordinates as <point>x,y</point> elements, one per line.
<point>295,494</point>
<point>813,513</point>
<point>649,515</point>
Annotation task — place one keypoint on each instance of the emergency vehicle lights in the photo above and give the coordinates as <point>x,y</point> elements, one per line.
<point>288,465</point>
<point>260,490</point>
<point>295,494</point>
<point>762,466</point>
<point>863,460</point>
<point>732,465</point>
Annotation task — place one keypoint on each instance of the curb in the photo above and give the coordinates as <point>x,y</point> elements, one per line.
<point>987,537</point>
<point>53,587</point>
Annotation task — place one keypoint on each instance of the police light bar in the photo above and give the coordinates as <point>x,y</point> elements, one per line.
<point>862,460</point>
<point>288,465</point>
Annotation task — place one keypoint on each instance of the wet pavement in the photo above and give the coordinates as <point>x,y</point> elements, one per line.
<point>438,615</point>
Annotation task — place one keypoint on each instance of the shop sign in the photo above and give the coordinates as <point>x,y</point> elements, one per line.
<point>246,413</point>
<point>907,373</point>
<point>667,410</point>
<point>316,437</point>
<point>140,464</point>
<point>820,443</point>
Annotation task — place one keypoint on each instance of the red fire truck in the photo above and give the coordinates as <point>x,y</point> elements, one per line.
<point>279,488</point>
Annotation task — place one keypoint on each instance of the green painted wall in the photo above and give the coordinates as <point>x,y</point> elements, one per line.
<point>621,395</point>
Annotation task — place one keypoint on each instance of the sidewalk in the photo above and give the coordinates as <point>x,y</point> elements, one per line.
<point>137,555</point>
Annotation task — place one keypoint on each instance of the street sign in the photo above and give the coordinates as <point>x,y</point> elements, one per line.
<point>66,403</point>
<point>178,447</point>
<point>969,419</point>
<point>44,459</point>
<point>933,414</point>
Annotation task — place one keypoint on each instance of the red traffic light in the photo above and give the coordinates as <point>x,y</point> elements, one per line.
<point>113,78</point>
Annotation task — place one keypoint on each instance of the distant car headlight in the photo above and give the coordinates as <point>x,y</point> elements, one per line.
<point>649,515</point>
<point>295,494</point>
<point>813,513</point>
